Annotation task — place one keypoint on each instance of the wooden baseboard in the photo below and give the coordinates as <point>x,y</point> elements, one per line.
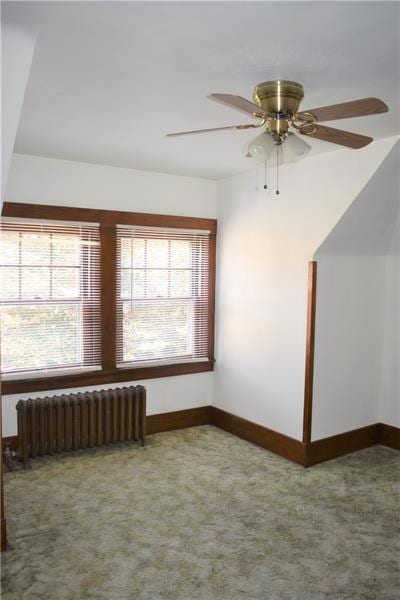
<point>312,453</point>
<point>341,444</point>
<point>169,421</point>
<point>389,436</point>
<point>11,441</point>
<point>178,419</point>
<point>303,454</point>
<point>277,443</point>
<point>3,535</point>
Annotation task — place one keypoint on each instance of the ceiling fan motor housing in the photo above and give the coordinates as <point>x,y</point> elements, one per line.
<point>281,98</point>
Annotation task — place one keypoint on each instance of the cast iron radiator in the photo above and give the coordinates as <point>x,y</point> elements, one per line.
<point>73,421</point>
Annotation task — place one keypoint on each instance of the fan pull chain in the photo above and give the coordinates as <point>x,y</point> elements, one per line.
<point>277,169</point>
<point>265,176</point>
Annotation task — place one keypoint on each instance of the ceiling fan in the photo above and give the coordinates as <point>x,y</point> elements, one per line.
<point>276,107</point>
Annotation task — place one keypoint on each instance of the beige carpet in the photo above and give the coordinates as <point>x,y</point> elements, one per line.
<point>200,514</point>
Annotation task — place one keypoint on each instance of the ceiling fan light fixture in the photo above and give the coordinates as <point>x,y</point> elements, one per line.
<point>294,148</point>
<point>261,147</point>
<point>264,149</point>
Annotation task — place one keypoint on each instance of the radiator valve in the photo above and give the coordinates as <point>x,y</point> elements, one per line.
<point>8,456</point>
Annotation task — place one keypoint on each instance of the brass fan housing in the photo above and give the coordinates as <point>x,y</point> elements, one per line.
<point>281,98</point>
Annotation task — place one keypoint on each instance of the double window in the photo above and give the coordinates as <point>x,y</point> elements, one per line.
<point>87,303</point>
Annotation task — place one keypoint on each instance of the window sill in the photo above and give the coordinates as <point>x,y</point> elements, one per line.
<point>20,386</point>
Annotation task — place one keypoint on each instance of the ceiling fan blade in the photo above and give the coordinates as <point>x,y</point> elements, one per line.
<point>346,110</point>
<point>240,104</point>
<point>336,136</point>
<point>247,126</point>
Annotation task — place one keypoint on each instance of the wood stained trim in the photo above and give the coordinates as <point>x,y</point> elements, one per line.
<point>275,442</point>
<point>341,444</point>
<point>306,455</point>
<point>389,436</point>
<point>179,419</point>
<point>105,217</point>
<point>310,344</point>
<point>211,294</point>
<point>108,220</point>
<point>108,247</point>
<point>10,441</point>
<point>99,377</point>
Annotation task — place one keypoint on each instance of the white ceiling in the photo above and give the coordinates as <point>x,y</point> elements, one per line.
<point>109,79</point>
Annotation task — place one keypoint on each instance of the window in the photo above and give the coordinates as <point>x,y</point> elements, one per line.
<point>162,293</point>
<point>50,297</point>
<point>84,304</point>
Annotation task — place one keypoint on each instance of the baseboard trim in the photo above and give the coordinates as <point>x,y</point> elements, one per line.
<point>10,441</point>
<point>3,535</point>
<point>389,436</point>
<point>299,452</point>
<point>269,439</point>
<point>312,453</point>
<point>341,444</point>
<point>179,419</point>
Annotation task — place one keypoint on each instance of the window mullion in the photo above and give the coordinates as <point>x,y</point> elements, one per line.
<point>108,253</point>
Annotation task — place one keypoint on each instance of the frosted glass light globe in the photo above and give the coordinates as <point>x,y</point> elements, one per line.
<point>261,147</point>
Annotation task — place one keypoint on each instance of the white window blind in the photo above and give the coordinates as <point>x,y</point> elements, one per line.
<point>49,297</point>
<point>162,295</point>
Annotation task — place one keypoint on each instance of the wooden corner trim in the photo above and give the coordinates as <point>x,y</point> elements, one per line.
<point>269,439</point>
<point>388,435</point>
<point>310,344</point>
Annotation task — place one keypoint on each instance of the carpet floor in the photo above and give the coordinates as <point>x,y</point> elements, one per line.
<point>200,514</point>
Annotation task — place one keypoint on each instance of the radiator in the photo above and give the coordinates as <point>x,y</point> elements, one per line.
<point>73,421</point>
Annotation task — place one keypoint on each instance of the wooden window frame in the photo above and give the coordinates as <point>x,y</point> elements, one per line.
<point>108,220</point>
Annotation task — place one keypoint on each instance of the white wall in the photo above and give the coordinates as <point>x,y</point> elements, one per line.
<point>17,52</point>
<point>163,395</point>
<point>49,181</point>
<point>390,383</point>
<point>38,180</point>
<point>356,343</point>
<point>348,344</point>
<point>264,245</point>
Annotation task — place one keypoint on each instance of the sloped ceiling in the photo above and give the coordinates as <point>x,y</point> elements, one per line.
<point>109,79</point>
<point>368,225</point>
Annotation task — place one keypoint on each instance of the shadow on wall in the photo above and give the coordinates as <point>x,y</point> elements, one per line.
<point>356,381</point>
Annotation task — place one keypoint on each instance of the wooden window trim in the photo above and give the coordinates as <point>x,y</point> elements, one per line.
<point>108,220</point>
<point>104,217</point>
